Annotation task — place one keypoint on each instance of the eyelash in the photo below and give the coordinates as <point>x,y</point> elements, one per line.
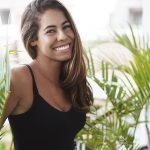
<point>50,31</point>
<point>65,27</point>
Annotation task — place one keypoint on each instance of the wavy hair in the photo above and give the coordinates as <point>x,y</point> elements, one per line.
<point>73,74</point>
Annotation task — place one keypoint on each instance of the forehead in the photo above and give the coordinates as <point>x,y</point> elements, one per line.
<point>52,17</point>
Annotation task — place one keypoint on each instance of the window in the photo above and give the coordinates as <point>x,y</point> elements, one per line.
<point>135,16</point>
<point>4,16</point>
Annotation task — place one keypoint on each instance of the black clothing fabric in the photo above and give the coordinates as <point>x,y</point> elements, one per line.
<point>44,127</point>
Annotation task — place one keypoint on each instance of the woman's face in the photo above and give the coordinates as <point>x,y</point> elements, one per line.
<point>55,36</point>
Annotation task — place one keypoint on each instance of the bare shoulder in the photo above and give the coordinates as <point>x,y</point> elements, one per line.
<point>20,83</point>
<point>20,78</point>
<point>19,73</point>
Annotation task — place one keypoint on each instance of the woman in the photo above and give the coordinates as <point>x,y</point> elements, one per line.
<point>50,96</point>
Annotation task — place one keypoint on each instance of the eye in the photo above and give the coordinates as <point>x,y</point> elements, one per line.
<point>50,31</point>
<point>67,27</point>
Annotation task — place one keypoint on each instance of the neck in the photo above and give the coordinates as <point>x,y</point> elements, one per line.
<point>50,71</point>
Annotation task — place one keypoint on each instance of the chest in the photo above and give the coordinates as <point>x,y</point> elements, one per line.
<point>44,122</point>
<point>54,95</point>
<point>56,119</point>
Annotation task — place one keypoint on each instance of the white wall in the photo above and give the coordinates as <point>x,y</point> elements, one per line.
<point>146,18</point>
<point>91,17</point>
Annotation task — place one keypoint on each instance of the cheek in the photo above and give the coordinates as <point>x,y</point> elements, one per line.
<point>45,42</point>
<point>71,35</point>
<point>49,40</point>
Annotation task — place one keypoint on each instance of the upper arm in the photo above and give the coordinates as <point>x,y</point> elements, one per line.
<point>15,93</point>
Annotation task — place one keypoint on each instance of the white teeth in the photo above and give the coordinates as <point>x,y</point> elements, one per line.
<point>61,48</point>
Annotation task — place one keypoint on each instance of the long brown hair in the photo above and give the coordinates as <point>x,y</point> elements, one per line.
<point>73,73</point>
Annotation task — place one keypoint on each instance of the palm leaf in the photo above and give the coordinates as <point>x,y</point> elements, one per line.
<point>110,129</point>
<point>4,82</point>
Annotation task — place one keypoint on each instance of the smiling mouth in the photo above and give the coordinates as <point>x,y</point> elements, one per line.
<point>62,48</point>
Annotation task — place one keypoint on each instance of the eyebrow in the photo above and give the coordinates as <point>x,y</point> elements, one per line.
<point>53,26</point>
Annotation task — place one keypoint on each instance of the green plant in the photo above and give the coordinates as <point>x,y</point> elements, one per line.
<point>112,129</point>
<point>4,82</point>
<point>2,146</point>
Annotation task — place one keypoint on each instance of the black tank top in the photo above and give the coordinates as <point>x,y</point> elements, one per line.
<point>44,127</point>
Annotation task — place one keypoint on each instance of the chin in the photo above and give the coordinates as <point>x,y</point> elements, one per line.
<point>67,58</point>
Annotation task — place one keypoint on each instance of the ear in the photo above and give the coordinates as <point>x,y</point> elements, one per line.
<point>34,43</point>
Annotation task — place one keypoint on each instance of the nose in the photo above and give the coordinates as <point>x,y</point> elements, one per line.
<point>61,35</point>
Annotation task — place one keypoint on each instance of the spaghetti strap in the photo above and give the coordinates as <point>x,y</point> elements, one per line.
<point>35,90</point>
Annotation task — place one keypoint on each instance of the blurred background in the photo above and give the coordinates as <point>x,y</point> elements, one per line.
<point>96,20</point>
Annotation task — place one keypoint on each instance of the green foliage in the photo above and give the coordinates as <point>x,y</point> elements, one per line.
<point>4,81</point>
<point>115,128</point>
<point>2,146</point>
